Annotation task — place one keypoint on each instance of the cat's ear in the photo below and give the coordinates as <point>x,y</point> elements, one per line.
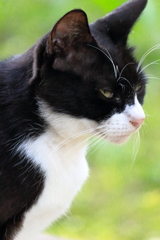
<point>118,23</point>
<point>71,29</point>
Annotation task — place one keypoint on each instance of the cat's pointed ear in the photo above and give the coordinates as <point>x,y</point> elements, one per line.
<point>71,29</point>
<point>118,23</point>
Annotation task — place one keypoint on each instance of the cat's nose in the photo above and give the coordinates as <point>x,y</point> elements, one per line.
<point>137,122</point>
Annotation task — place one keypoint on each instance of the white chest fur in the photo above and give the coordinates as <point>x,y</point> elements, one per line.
<point>60,153</point>
<point>65,170</point>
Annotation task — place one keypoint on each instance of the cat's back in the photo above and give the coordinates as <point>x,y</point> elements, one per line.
<point>17,105</point>
<point>15,196</point>
<point>13,80</point>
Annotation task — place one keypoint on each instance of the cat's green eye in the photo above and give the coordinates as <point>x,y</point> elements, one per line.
<point>138,88</point>
<point>107,94</point>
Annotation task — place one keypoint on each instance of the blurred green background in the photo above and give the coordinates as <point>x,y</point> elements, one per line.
<point>121,199</point>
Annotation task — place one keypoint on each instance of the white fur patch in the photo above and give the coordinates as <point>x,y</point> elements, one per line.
<point>65,171</point>
<point>119,128</point>
<point>60,152</point>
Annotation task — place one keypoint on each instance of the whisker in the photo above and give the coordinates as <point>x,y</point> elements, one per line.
<point>102,141</point>
<point>117,70</point>
<point>146,54</point>
<point>124,69</point>
<point>98,146</point>
<point>136,146</point>
<point>78,145</point>
<point>81,134</point>
<point>127,81</point>
<point>97,134</point>
<point>97,140</point>
<point>88,131</point>
<point>123,87</point>
<point>147,115</point>
<point>109,57</point>
<point>149,76</point>
<point>152,63</point>
<point>92,143</point>
<point>153,78</point>
<point>145,127</point>
<point>77,136</point>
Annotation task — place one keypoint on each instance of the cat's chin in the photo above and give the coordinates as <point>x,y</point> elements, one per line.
<point>120,139</point>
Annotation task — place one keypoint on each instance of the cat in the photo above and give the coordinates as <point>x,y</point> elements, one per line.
<point>77,81</point>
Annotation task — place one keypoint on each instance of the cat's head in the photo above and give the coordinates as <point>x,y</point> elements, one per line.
<point>88,72</point>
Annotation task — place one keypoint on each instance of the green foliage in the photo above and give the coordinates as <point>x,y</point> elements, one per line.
<point>121,199</point>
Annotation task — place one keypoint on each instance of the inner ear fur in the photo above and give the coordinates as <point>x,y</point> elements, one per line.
<point>71,29</point>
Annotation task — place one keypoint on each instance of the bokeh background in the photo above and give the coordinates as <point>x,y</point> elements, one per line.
<point>121,199</point>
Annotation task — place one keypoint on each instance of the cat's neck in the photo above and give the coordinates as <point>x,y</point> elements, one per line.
<point>66,129</point>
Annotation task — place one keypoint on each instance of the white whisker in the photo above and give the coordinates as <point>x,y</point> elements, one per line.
<point>83,133</point>
<point>97,140</point>
<point>80,143</point>
<point>153,78</point>
<point>146,54</point>
<point>114,67</point>
<point>136,146</point>
<point>152,63</point>
<point>104,137</point>
<point>109,57</point>
<point>92,143</point>
<point>126,81</point>
<point>117,70</point>
<point>124,69</point>
<point>98,146</point>
<point>147,115</point>
<point>145,127</point>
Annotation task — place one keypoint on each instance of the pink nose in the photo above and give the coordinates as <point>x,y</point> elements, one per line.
<point>137,123</point>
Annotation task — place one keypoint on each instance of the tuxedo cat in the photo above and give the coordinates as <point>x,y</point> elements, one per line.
<point>79,80</point>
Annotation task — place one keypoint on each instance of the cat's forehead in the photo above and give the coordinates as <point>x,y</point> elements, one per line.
<point>113,64</point>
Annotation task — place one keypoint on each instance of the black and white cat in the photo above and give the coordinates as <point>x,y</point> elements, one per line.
<point>77,81</point>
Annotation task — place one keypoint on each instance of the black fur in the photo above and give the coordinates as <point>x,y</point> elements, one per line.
<point>66,68</point>
<point>20,182</point>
